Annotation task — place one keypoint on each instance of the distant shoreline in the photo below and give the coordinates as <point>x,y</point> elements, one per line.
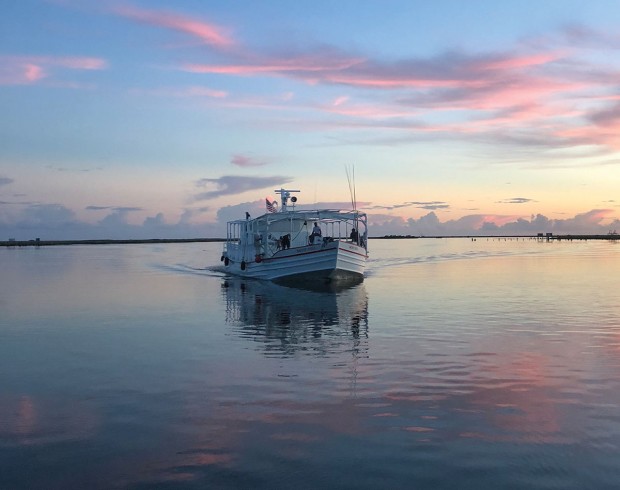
<point>48,243</point>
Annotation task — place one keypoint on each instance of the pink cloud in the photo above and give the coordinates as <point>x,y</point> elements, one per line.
<point>519,91</point>
<point>497,219</point>
<point>32,73</point>
<point>195,91</point>
<point>208,33</point>
<point>518,61</point>
<point>457,75</point>
<point>608,136</point>
<point>445,71</point>
<point>601,127</point>
<point>245,161</point>
<point>476,94</point>
<point>388,83</point>
<point>459,82</point>
<point>24,70</point>
<point>340,101</point>
<point>302,64</point>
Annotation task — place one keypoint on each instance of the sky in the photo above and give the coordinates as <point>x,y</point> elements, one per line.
<point>165,119</point>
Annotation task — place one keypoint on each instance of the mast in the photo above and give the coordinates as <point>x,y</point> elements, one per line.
<point>285,194</point>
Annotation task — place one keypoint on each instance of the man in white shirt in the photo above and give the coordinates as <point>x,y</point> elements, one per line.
<point>316,232</point>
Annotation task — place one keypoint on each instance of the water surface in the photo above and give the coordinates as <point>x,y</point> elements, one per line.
<point>455,364</point>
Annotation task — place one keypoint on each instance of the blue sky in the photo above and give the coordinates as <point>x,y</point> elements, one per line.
<point>131,119</point>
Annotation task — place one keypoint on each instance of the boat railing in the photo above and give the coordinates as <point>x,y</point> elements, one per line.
<point>265,236</point>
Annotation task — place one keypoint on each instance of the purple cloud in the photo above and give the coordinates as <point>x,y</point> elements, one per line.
<point>118,209</point>
<point>235,184</point>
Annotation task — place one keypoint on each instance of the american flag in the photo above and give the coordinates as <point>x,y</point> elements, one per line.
<point>272,207</point>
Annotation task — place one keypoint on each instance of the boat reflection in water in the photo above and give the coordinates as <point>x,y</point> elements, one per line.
<point>288,320</point>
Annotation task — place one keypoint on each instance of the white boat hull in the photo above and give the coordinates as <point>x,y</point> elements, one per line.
<point>327,262</point>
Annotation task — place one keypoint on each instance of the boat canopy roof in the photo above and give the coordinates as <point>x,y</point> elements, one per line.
<point>323,215</point>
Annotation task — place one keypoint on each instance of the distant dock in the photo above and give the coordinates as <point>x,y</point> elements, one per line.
<point>611,237</point>
<point>540,237</point>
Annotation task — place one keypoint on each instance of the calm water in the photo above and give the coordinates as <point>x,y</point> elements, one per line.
<point>456,364</point>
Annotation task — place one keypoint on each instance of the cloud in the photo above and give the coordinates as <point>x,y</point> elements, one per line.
<point>430,205</point>
<point>56,222</point>
<point>607,116</point>
<point>245,161</point>
<point>28,70</point>
<point>118,216</point>
<point>387,208</point>
<point>117,209</point>
<point>312,67</point>
<point>31,215</point>
<point>231,185</point>
<point>581,35</point>
<point>77,170</point>
<point>48,213</point>
<point>191,213</point>
<point>331,65</point>
<point>5,181</point>
<point>207,33</point>
<point>480,94</point>
<point>97,208</point>
<point>597,221</point>
<point>516,200</point>
<point>187,92</point>
<point>450,70</point>
<point>330,204</point>
<point>435,206</point>
<point>237,211</point>
<point>541,92</point>
<point>544,91</point>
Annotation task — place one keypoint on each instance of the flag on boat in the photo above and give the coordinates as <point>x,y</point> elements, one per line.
<point>272,206</point>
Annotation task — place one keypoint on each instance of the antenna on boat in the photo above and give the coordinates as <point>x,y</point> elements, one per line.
<point>354,190</point>
<point>351,180</point>
<point>285,194</point>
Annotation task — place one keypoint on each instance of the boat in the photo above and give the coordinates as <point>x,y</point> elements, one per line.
<point>298,245</point>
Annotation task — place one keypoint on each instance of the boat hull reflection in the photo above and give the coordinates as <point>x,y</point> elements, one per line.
<point>339,283</point>
<point>287,320</point>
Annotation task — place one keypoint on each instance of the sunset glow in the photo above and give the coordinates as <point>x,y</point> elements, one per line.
<point>135,105</point>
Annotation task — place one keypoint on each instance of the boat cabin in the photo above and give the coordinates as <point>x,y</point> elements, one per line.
<point>271,233</point>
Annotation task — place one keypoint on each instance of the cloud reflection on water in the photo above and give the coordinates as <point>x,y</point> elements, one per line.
<point>476,366</point>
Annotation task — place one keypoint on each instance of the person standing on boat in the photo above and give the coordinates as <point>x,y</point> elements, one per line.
<point>316,231</point>
<point>354,235</point>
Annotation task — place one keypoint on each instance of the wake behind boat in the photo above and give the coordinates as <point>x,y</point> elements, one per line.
<point>289,244</point>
